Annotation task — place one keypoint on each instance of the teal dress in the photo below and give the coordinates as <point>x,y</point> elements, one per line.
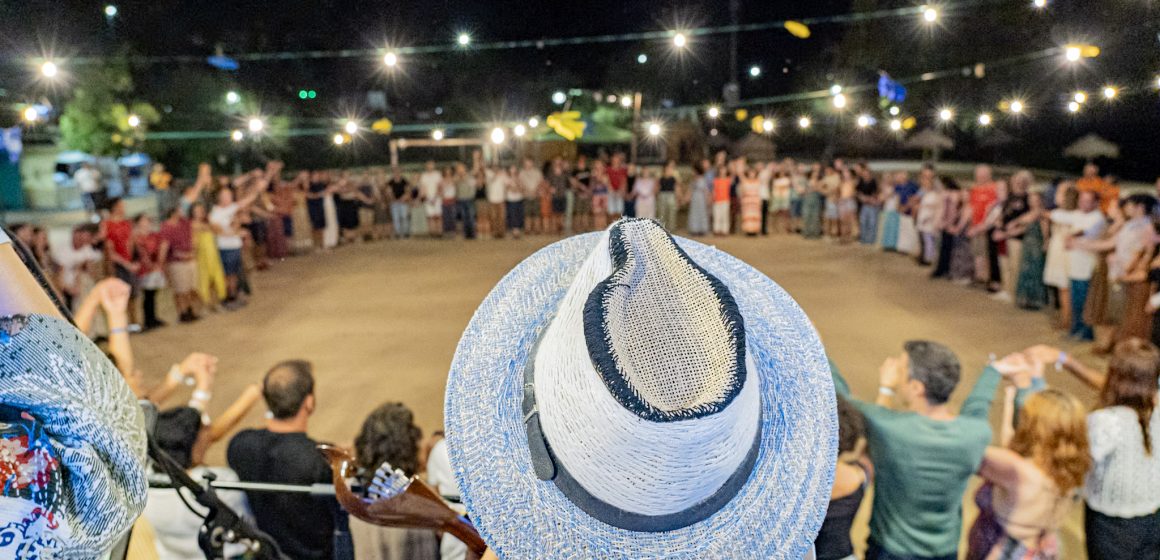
<point>1030,292</point>
<point>812,215</point>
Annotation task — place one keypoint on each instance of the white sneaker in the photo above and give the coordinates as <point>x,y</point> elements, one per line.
<point>1001,296</point>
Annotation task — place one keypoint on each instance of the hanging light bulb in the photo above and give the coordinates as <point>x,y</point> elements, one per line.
<point>945,114</point>
<point>437,134</point>
<point>985,119</point>
<point>804,122</point>
<point>864,121</point>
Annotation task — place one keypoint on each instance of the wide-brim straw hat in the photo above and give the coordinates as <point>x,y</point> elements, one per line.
<point>627,394</point>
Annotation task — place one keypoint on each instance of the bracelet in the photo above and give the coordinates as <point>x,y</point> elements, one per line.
<point>175,375</point>
<point>884,390</point>
<point>1061,361</point>
<point>118,330</point>
<point>200,395</point>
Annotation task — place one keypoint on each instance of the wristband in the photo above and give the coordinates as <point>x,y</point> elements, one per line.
<point>884,390</point>
<point>175,374</point>
<point>119,330</point>
<point>1061,361</point>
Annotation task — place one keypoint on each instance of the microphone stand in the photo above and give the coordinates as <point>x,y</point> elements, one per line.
<point>222,525</point>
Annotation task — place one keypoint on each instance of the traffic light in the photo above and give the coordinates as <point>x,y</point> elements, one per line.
<point>307,94</point>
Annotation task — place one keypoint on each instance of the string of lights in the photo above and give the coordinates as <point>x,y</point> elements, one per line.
<point>465,41</point>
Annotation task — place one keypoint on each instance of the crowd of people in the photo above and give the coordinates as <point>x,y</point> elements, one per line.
<point>1073,246</point>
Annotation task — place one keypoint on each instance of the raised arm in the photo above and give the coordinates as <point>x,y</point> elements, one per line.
<point>233,415</point>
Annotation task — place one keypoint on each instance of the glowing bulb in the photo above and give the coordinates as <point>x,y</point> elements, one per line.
<point>533,122</point>
<point>255,125</point>
<point>1073,107</point>
<point>1039,4</point>
<point>945,115</point>
<point>520,130</point>
<point>835,89</point>
<point>894,111</point>
<point>895,125</point>
<point>134,121</point>
<point>641,58</point>
<point>48,69</point>
<point>804,122</point>
<point>626,101</point>
<point>339,139</point>
<point>237,136</point>
<point>839,101</point>
<point>754,71</point>
<point>929,14</point>
<point>232,97</point>
<point>30,114</point>
<point>1080,97</point>
<point>863,121</point>
<point>679,40</point>
<point>1016,106</point>
<point>559,98</point>
<point>985,119</point>
<point>463,39</point>
<point>654,129</point>
<point>611,98</point>
<point>767,125</point>
<point>497,135</point>
<point>350,127</point>
<point>110,11</point>
<point>1110,92</point>
<point>714,112</point>
<point>1073,53</point>
<point>437,134</point>
<point>391,59</point>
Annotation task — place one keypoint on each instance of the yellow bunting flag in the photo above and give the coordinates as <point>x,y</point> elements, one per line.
<point>382,126</point>
<point>757,124</point>
<point>741,114</point>
<point>797,29</point>
<point>908,123</point>
<point>567,124</point>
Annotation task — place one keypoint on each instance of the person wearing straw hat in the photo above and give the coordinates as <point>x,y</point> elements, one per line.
<point>628,394</point>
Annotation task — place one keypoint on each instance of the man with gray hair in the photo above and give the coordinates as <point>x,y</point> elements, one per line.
<point>923,453</point>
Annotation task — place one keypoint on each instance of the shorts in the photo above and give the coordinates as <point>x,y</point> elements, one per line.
<point>848,206</point>
<point>599,204</point>
<point>231,261</point>
<point>532,207</point>
<point>559,204</point>
<point>615,203</point>
<point>152,280</point>
<point>831,210</point>
<point>433,208</point>
<point>123,274</point>
<point>182,276</point>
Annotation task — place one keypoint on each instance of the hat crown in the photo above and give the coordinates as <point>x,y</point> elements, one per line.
<point>666,336</point>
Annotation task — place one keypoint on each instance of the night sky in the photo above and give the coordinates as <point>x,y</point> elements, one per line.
<point>484,85</point>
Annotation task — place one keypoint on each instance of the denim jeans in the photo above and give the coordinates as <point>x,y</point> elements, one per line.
<point>868,224</point>
<point>465,212</point>
<point>401,219</point>
<point>1079,291</point>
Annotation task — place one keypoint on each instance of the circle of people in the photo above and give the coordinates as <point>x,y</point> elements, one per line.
<point>1074,246</point>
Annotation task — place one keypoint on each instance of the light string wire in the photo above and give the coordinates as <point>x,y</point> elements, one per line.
<point>853,17</point>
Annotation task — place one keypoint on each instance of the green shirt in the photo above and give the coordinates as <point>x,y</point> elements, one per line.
<point>921,469</point>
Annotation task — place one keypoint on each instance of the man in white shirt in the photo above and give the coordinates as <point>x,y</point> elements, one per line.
<point>529,179</point>
<point>429,182</point>
<point>78,262</point>
<point>88,180</point>
<point>1087,223</point>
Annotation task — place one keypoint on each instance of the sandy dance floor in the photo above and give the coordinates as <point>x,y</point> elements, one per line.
<point>380,322</point>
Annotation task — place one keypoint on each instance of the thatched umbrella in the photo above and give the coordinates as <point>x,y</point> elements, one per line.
<point>755,147</point>
<point>1091,147</point>
<point>929,141</point>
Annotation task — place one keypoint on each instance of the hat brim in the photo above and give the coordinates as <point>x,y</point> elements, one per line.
<point>775,515</point>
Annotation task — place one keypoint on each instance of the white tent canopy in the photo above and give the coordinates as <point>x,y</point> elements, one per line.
<point>1091,147</point>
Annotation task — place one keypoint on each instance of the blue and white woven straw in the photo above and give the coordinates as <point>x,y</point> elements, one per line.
<point>775,514</point>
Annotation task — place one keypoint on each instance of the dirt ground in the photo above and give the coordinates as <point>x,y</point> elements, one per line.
<point>380,323</point>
